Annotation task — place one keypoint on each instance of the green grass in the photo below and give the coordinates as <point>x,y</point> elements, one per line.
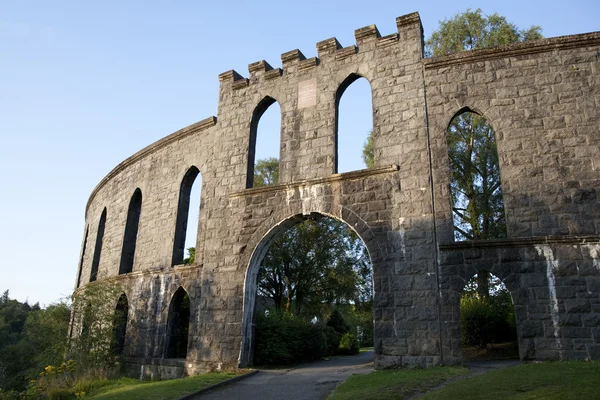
<point>394,384</point>
<point>551,380</point>
<point>159,390</point>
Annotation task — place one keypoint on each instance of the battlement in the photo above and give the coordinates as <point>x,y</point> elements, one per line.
<point>329,50</point>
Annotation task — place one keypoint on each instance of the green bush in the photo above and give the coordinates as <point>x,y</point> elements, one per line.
<point>333,341</point>
<point>285,339</point>
<point>485,321</point>
<point>349,345</point>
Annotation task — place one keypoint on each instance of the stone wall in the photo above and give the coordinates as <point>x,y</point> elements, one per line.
<point>542,99</point>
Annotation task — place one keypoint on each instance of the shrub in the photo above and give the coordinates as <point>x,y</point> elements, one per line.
<point>333,341</point>
<point>285,339</point>
<point>485,321</point>
<point>348,344</point>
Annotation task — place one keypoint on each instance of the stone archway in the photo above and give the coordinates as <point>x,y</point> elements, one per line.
<point>250,285</point>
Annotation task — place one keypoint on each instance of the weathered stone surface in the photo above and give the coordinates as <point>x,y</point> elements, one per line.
<point>540,97</point>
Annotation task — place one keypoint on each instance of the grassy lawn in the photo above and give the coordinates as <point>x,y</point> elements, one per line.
<point>551,380</point>
<point>394,384</point>
<point>159,390</point>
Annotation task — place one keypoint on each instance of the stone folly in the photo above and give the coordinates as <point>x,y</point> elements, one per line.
<point>541,97</point>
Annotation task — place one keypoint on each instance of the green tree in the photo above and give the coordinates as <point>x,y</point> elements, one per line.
<point>316,263</point>
<point>266,172</point>
<point>191,258</point>
<point>30,339</point>
<point>471,30</point>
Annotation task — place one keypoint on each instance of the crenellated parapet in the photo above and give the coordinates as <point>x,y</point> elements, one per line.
<point>328,51</point>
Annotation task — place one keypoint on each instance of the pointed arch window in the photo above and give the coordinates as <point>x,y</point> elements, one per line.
<point>131,232</point>
<point>183,213</point>
<point>475,185</point>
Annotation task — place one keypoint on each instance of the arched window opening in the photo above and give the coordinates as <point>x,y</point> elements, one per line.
<point>178,325</point>
<point>264,146</point>
<point>487,319</point>
<point>85,238</point>
<point>120,324</point>
<point>188,210</point>
<point>475,187</point>
<point>312,275</point>
<point>354,125</point>
<point>131,232</point>
<point>98,247</point>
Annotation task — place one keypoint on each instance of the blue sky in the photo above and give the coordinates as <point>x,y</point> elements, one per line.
<point>83,85</point>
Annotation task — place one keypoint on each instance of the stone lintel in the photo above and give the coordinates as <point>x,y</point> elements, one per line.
<point>328,46</point>
<point>367,33</point>
<point>363,173</point>
<point>522,241</point>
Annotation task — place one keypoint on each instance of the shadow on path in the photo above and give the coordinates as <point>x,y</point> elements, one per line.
<point>313,381</point>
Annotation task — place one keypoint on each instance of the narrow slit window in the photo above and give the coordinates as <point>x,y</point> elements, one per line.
<point>131,232</point>
<point>264,144</point>
<point>98,247</point>
<point>188,211</point>
<point>354,125</point>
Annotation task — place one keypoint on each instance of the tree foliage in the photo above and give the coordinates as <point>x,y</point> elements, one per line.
<point>318,262</point>
<point>266,172</point>
<point>475,186</point>
<point>471,30</point>
<point>487,317</point>
<point>30,339</point>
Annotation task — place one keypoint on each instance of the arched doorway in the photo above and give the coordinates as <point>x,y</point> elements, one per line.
<point>308,270</point>
<point>487,320</point>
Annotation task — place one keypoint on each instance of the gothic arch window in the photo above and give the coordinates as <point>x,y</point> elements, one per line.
<point>475,185</point>
<point>263,148</point>
<point>353,123</point>
<point>178,325</point>
<point>131,232</point>
<point>98,247</point>
<point>183,213</point>
<point>85,238</point>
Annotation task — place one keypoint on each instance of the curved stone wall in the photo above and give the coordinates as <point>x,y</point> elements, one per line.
<point>542,99</point>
